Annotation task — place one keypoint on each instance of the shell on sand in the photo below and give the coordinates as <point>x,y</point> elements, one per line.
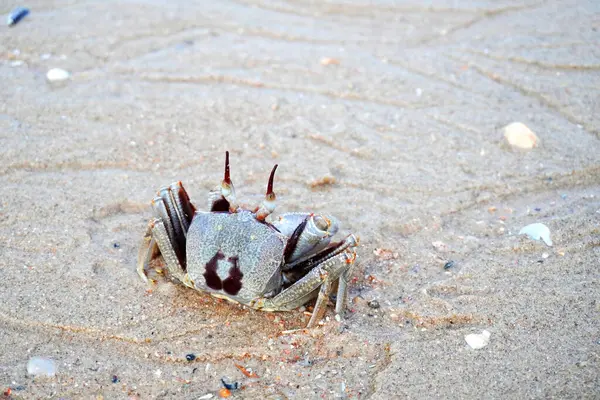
<point>57,74</point>
<point>519,135</point>
<point>41,366</point>
<point>478,340</point>
<point>537,231</point>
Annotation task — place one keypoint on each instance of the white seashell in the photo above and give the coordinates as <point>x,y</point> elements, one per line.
<point>57,74</point>
<point>537,231</point>
<point>519,135</point>
<point>41,366</point>
<point>478,340</point>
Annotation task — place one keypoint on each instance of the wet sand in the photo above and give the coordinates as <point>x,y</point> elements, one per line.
<point>401,102</point>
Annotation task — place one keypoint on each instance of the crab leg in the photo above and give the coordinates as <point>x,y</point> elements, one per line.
<point>321,303</point>
<point>175,213</point>
<point>269,203</point>
<point>160,235</point>
<point>147,251</point>
<point>342,292</point>
<point>183,206</point>
<point>323,275</point>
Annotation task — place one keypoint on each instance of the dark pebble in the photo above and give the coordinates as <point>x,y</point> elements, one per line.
<point>230,386</point>
<point>16,15</point>
<point>190,357</point>
<point>114,379</point>
<point>374,304</point>
<point>449,265</point>
<point>116,245</point>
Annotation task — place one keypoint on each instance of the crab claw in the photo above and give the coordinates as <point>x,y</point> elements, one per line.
<point>269,203</point>
<point>227,189</point>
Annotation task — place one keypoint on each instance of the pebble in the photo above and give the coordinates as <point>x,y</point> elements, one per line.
<point>206,396</point>
<point>230,386</point>
<point>329,61</point>
<point>374,304</point>
<point>57,75</point>
<point>449,265</point>
<point>520,136</point>
<point>537,231</point>
<point>190,357</point>
<point>41,366</point>
<point>16,15</point>
<point>478,340</point>
<point>440,246</point>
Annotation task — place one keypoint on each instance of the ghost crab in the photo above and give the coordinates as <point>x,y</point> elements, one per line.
<point>232,252</point>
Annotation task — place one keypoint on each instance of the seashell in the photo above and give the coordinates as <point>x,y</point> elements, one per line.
<point>519,135</point>
<point>57,74</point>
<point>16,15</point>
<point>478,340</point>
<point>537,231</point>
<point>41,366</point>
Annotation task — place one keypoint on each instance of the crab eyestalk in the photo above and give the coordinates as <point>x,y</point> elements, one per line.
<point>227,189</point>
<point>270,202</point>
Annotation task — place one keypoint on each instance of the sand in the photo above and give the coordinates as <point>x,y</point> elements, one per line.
<point>387,115</point>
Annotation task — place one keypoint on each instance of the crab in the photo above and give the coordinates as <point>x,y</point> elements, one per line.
<point>234,252</point>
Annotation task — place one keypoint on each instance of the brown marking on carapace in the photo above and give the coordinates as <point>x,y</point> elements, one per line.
<point>210,276</point>
<point>233,283</point>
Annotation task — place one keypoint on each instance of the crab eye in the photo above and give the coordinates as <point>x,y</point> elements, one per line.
<point>321,223</point>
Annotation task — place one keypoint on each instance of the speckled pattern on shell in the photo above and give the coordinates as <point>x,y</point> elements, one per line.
<point>258,246</point>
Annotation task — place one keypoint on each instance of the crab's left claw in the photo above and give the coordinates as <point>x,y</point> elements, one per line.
<point>270,202</point>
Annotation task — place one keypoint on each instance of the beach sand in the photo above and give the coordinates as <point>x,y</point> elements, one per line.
<point>402,103</point>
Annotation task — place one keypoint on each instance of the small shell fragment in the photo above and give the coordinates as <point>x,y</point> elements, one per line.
<point>16,15</point>
<point>478,340</point>
<point>519,135</point>
<point>329,61</point>
<point>537,231</point>
<point>440,246</point>
<point>41,366</point>
<point>57,74</point>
